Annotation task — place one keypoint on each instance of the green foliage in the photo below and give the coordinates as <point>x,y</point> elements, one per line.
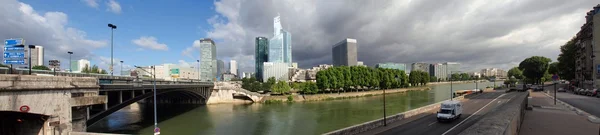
<point>269,84</point>
<point>357,77</point>
<point>535,67</point>
<point>515,72</point>
<point>455,77</point>
<point>290,98</point>
<point>2,65</point>
<point>281,87</point>
<point>42,67</point>
<point>103,72</point>
<point>553,68</point>
<point>465,76</point>
<point>566,60</point>
<point>86,69</point>
<point>309,88</point>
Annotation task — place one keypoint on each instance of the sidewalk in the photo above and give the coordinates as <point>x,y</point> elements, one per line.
<point>548,119</point>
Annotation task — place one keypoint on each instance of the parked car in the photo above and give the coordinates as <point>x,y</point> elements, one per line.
<point>561,90</point>
<point>579,91</point>
<point>592,92</point>
<point>588,92</point>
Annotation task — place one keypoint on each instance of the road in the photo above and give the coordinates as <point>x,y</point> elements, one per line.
<point>585,103</point>
<point>474,109</point>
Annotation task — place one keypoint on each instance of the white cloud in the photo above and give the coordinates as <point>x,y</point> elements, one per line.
<point>48,29</point>
<point>190,50</point>
<point>91,3</point>
<point>113,6</point>
<point>150,43</point>
<point>478,34</point>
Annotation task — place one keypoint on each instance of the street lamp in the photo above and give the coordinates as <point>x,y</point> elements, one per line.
<point>156,129</point>
<point>121,68</point>
<point>112,28</point>
<point>30,47</point>
<point>70,53</point>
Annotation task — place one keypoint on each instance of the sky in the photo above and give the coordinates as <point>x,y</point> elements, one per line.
<point>476,33</point>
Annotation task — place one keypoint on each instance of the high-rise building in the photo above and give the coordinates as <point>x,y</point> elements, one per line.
<point>438,70</point>
<point>494,72</point>
<point>78,65</point>
<point>220,69</point>
<point>233,67</point>
<point>208,57</point>
<point>278,70</point>
<point>390,65</point>
<point>261,55</point>
<point>37,56</point>
<point>360,63</point>
<point>420,67</point>
<point>344,53</point>
<point>587,55</point>
<point>280,46</point>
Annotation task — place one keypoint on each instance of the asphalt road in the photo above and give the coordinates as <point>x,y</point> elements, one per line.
<point>473,110</point>
<point>588,104</point>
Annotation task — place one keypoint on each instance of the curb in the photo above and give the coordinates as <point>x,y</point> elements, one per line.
<point>591,118</point>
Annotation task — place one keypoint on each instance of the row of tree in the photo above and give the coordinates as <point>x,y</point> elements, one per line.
<point>358,77</point>
<point>254,85</point>
<point>535,69</point>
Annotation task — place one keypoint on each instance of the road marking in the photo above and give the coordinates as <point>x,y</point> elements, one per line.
<point>472,114</point>
<point>432,123</point>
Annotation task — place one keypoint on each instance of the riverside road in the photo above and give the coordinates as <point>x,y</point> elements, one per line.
<point>474,108</point>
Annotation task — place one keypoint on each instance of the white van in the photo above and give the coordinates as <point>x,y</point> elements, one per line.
<point>449,110</point>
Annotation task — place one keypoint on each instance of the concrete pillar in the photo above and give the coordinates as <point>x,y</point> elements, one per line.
<point>87,113</point>
<point>143,92</point>
<point>120,97</point>
<point>132,94</point>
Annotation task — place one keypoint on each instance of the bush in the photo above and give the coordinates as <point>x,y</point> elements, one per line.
<point>290,98</point>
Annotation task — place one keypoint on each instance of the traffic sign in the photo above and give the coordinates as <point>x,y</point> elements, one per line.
<point>14,55</point>
<point>555,77</point>
<point>14,48</point>
<point>157,130</point>
<point>17,62</point>
<point>24,108</point>
<point>13,42</point>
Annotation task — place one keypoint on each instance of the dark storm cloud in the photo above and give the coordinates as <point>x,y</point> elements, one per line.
<point>477,33</point>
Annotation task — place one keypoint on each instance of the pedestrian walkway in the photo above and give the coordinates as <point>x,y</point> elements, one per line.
<point>548,119</point>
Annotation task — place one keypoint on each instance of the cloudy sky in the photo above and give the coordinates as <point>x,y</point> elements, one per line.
<point>477,33</point>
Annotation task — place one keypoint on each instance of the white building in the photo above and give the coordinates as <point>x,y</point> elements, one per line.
<point>78,65</point>
<point>233,67</point>
<point>208,59</point>
<point>279,70</point>
<point>37,56</point>
<point>493,72</point>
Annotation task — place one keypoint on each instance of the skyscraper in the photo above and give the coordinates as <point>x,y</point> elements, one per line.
<point>208,57</point>
<point>438,70</point>
<point>233,67</point>
<point>220,69</point>
<point>261,55</point>
<point>420,67</point>
<point>389,65</point>
<point>344,53</point>
<point>37,56</point>
<point>452,67</point>
<point>280,46</point>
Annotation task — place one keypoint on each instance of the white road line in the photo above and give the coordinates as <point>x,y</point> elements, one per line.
<point>472,115</point>
<point>432,123</point>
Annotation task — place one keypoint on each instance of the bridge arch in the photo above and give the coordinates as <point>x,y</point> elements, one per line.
<point>189,93</point>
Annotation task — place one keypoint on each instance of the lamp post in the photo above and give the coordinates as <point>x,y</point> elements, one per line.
<point>121,68</point>
<point>112,28</point>
<point>70,53</point>
<point>30,47</point>
<point>156,129</point>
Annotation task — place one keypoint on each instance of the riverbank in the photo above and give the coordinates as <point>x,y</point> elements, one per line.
<point>334,96</point>
<point>455,82</point>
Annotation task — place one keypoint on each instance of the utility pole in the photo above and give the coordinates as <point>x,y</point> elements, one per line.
<point>112,29</point>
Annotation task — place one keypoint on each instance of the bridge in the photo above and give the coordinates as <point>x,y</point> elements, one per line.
<point>67,103</point>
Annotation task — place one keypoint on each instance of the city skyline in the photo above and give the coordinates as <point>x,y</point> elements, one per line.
<point>234,31</point>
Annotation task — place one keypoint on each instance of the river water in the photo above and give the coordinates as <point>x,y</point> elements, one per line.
<point>301,118</point>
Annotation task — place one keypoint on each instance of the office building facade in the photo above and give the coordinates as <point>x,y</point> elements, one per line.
<point>77,66</point>
<point>279,70</point>
<point>220,69</point>
<point>420,67</point>
<point>390,65</point>
<point>233,67</point>
<point>344,53</point>
<point>261,55</point>
<point>280,46</point>
<point>37,56</point>
<point>208,58</point>
<point>439,71</point>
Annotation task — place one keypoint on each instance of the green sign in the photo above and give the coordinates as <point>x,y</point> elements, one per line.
<point>175,71</point>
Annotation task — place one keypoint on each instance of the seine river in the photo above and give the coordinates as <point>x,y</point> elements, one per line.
<point>302,118</point>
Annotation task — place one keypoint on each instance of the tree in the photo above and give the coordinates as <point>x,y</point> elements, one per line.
<point>309,88</point>
<point>566,60</point>
<point>433,79</point>
<point>95,69</point>
<point>413,78</point>
<point>423,78</point>
<point>269,84</point>
<point>41,67</point>
<point>86,69</point>
<point>322,80</point>
<point>455,77</point>
<point>515,72</point>
<point>103,72</point>
<point>553,68</point>
<point>281,87</point>
<point>2,65</point>
<point>465,76</point>
<point>535,67</point>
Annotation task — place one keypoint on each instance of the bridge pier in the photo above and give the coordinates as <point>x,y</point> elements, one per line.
<point>120,97</point>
